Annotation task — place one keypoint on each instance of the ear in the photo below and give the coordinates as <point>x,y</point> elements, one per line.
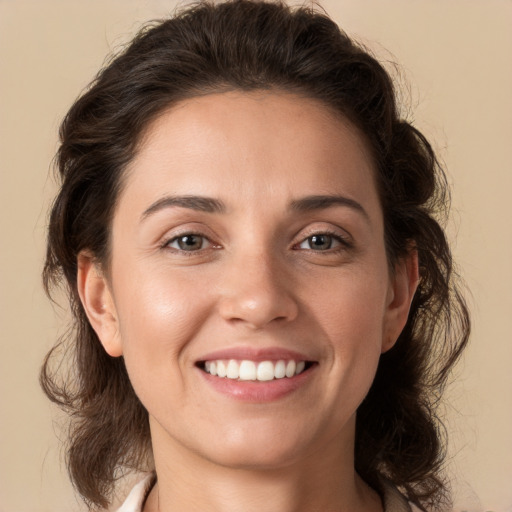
<point>98,303</point>
<point>403,285</point>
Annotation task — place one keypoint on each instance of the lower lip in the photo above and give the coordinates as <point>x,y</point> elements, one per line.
<point>258,391</point>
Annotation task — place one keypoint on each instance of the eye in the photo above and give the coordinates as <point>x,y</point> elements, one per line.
<point>320,242</point>
<point>188,242</point>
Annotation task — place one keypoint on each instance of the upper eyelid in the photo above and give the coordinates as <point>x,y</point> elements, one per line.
<point>343,242</point>
<point>178,231</point>
<point>203,231</point>
<point>169,239</point>
<point>337,232</point>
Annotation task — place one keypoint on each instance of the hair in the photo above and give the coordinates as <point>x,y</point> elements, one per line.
<point>251,45</point>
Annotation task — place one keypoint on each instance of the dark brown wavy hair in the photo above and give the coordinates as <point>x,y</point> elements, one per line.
<point>252,45</point>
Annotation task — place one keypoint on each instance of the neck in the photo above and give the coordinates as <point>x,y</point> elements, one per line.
<point>324,480</point>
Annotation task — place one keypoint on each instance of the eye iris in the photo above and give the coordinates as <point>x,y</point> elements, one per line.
<point>320,242</point>
<point>190,242</point>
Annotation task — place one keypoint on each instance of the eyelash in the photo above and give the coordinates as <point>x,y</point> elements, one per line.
<point>167,243</point>
<point>344,243</point>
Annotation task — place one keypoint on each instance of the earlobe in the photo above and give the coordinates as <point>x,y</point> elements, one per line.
<point>98,303</point>
<point>403,286</point>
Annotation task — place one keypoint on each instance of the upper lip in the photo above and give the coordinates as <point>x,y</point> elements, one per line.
<point>255,354</point>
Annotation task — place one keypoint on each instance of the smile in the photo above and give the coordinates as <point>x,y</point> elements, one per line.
<point>247,370</point>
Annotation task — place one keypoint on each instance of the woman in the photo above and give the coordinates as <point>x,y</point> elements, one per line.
<point>265,312</point>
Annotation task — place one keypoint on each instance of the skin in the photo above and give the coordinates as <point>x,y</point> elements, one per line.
<point>256,281</point>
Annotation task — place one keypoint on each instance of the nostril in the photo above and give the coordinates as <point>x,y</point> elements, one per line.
<point>258,310</point>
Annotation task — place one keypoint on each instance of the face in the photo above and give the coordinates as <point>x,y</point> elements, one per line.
<point>249,290</point>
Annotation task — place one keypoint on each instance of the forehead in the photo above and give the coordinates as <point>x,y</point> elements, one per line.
<point>245,144</point>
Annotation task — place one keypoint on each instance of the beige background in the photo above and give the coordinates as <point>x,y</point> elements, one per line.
<point>456,56</point>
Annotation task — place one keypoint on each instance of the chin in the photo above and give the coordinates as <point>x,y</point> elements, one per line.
<point>258,448</point>
<point>254,459</point>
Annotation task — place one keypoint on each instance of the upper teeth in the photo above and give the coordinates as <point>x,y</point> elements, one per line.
<point>251,370</point>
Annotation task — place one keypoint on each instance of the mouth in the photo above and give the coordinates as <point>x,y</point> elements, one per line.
<point>256,371</point>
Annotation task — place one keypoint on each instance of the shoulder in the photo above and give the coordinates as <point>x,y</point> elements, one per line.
<point>135,500</point>
<point>394,501</point>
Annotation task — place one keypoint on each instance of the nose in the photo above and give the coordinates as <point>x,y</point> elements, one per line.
<point>257,292</point>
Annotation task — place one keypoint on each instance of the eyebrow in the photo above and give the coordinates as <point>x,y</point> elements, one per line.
<point>198,203</point>
<point>312,203</point>
<point>212,205</point>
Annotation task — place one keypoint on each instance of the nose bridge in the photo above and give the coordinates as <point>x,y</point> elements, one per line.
<point>256,290</point>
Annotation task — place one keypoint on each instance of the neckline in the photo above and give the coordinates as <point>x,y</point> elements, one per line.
<point>392,499</point>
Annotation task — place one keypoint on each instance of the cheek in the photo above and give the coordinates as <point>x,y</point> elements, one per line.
<point>158,316</point>
<point>351,305</point>
<point>351,313</point>
<point>157,321</point>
